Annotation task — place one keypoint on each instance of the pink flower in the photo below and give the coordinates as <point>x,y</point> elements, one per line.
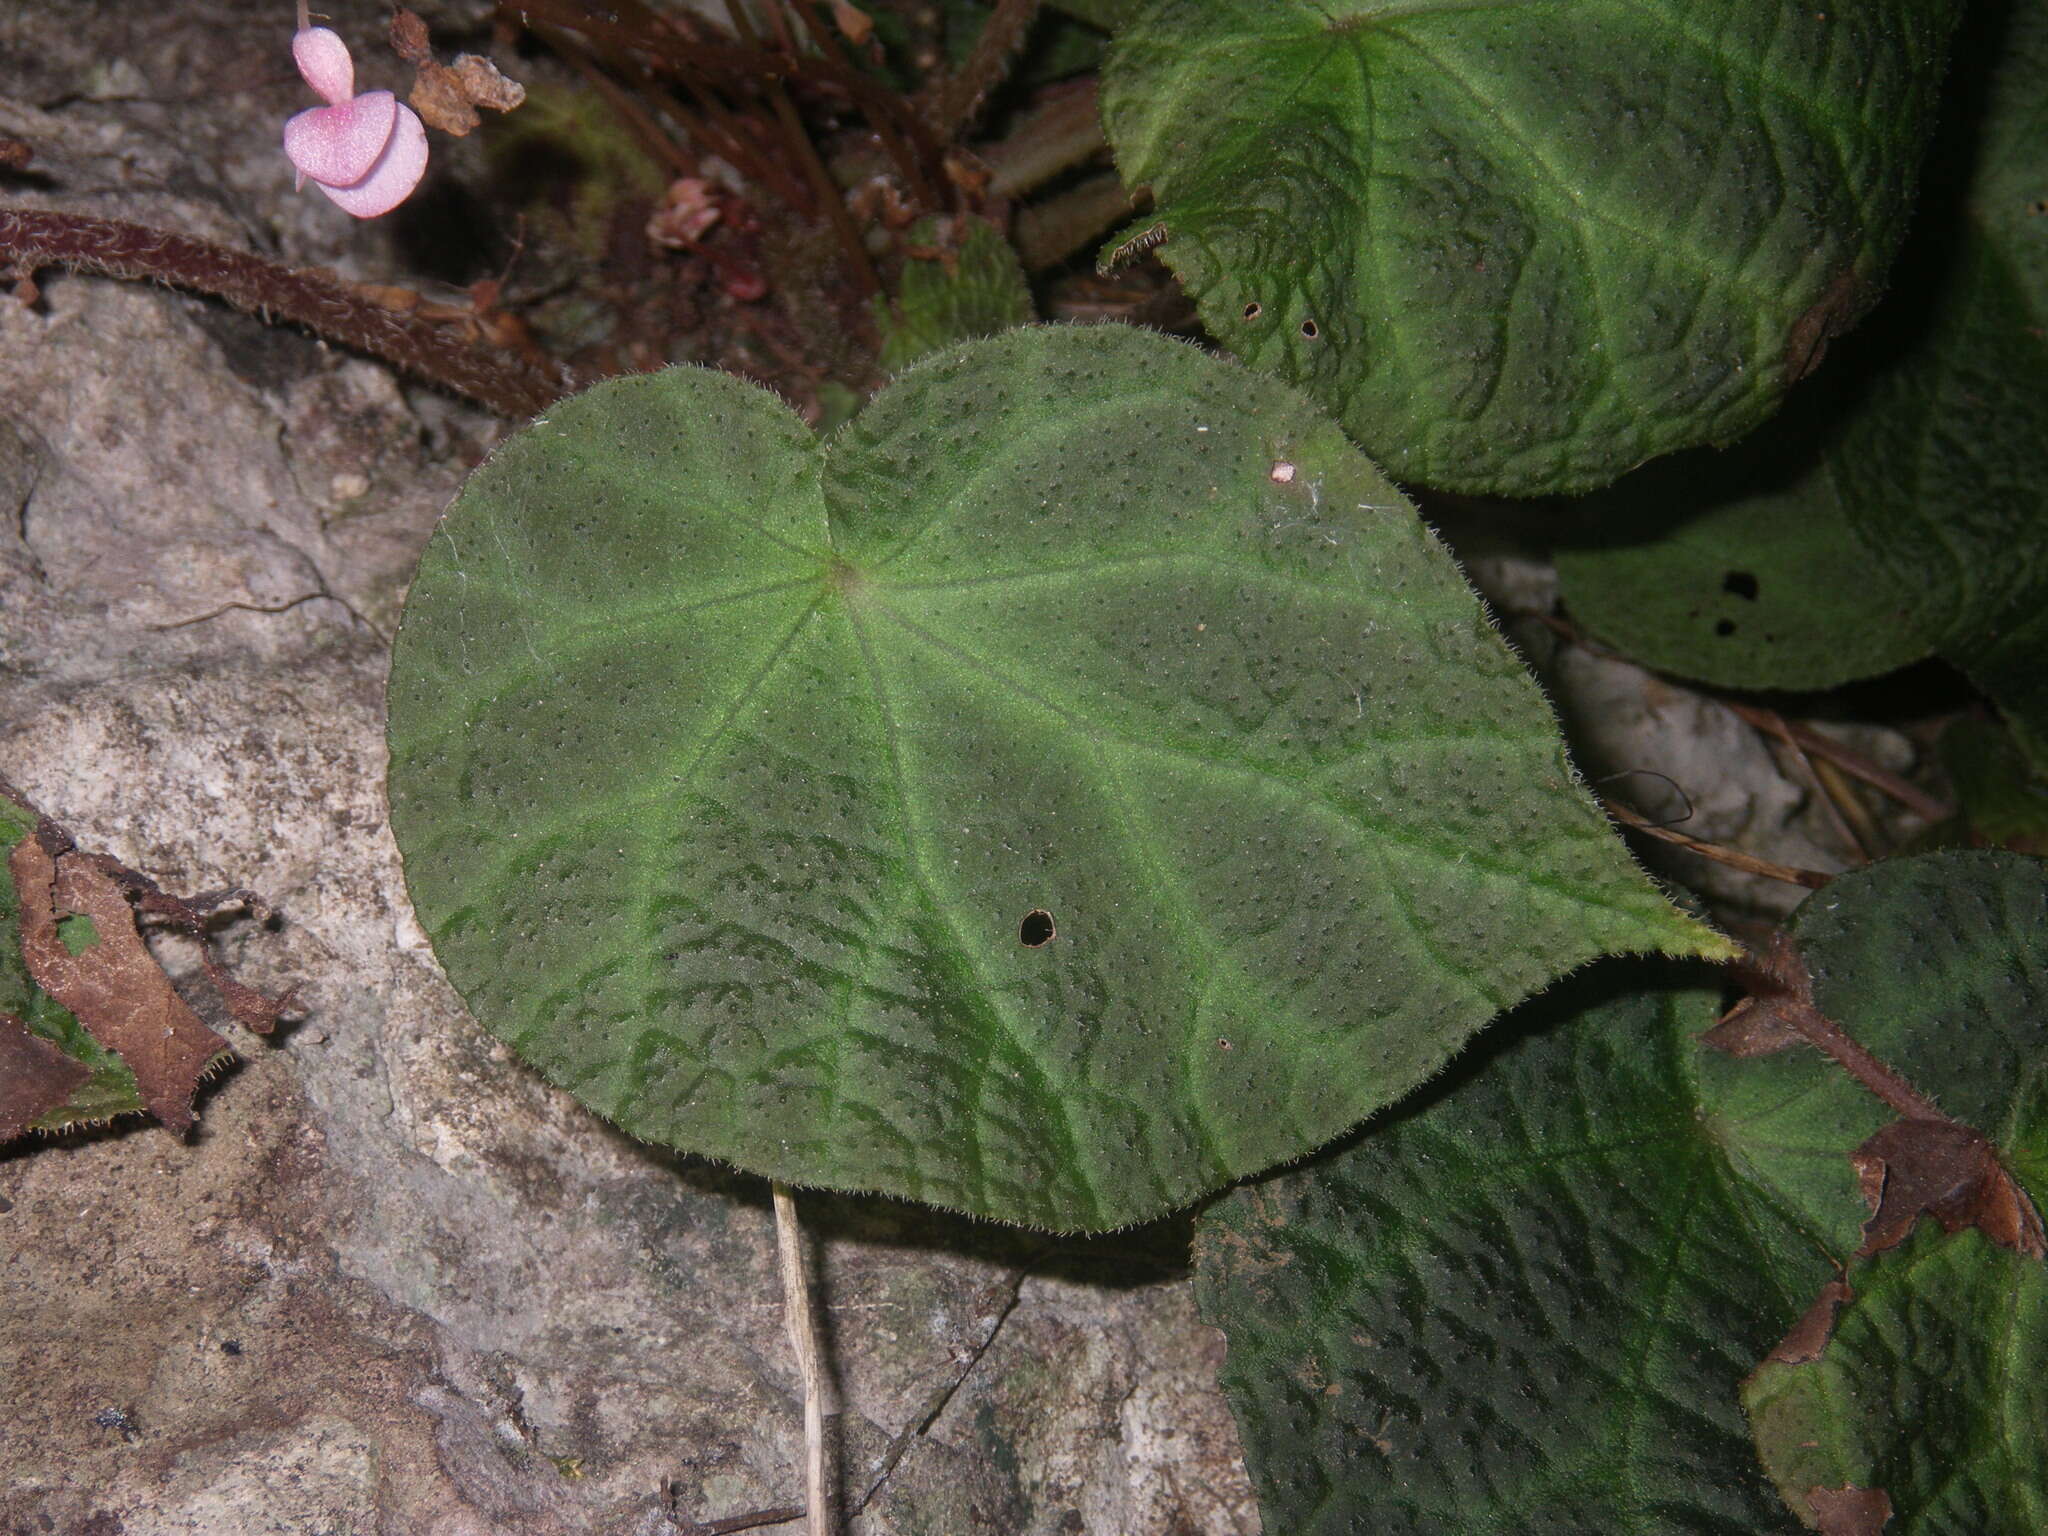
<point>365,152</point>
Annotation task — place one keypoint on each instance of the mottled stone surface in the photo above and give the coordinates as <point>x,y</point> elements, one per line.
<point>393,1284</point>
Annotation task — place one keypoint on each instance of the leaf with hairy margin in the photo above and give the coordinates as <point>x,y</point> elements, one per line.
<point>973,288</point>
<point>1930,1387</point>
<point>730,766</point>
<point>1938,965</point>
<point>1521,248</point>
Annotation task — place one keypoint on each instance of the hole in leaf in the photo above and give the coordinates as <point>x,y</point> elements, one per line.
<point>78,933</point>
<point>1252,311</point>
<point>1725,627</point>
<point>1037,929</point>
<point>1310,330</point>
<point>1741,583</point>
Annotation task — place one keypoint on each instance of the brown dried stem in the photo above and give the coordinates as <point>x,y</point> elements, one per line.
<point>881,108</point>
<point>1850,761</point>
<point>504,382</point>
<point>1781,982</point>
<point>805,153</point>
<point>960,100</point>
<point>1062,132</point>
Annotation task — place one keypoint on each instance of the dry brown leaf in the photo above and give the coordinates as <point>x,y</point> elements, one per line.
<point>1753,1027</point>
<point>1850,1511</point>
<point>447,96</point>
<point>35,1077</point>
<point>1944,1170</point>
<point>856,25</point>
<point>1809,1336</point>
<point>114,986</point>
<point>409,37</point>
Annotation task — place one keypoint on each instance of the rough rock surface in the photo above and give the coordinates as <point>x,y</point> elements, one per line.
<point>393,1284</point>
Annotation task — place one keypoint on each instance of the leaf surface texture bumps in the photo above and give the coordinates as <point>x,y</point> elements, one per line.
<point>727,766</point>
<point>1898,509</point>
<point>1522,1303</point>
<point>1520,248</point>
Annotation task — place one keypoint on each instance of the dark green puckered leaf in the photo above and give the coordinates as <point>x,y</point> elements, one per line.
<point>1933,1389</point>
<point>1523,248</point>
<point>1939,965</point>
<point>1523,1303</point>
<point>2003,801</point>
<point>729,768</point>
<point>1899,511</point>
<point>977,288</point>
<point>1737,568</point>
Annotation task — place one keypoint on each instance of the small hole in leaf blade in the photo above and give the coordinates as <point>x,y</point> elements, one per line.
<point>1037,929</point>
<point>1741,583</point>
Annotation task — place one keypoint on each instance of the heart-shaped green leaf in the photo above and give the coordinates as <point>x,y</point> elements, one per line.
<point>1521,248</point>
<point>1081,783</point>
<point>1522,1304</point>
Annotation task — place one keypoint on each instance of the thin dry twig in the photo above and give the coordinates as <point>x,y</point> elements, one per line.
<point>1818,743</point>
<point>1734,858</point>
<point>1851,762</point>
<point>803,1338</point>
<point>1773,725</point>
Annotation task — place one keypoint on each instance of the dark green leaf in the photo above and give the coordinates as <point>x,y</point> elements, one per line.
<point>1522,248</point>
<point>1523,1304</point>
<point>1931,1386</point>
<point>1736,568</point>
<point>1934,1389</point>
<point>728,769</point>
<point>1900,511</point>
<point>2003,801</point>
<point>973,288</point>
<point>1938,964</point>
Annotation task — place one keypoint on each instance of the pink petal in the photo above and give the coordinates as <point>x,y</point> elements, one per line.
<point>393,177</point>
<point>324,64</point>
<point>339,145</point>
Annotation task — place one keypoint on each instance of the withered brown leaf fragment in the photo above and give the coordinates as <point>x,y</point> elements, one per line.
<point>249,1008</point>
<point>1850,1511</point>
<point>114,986</point>
<point>447,96</point>
<point>1753,1027</point>
<point>35,1077</point>
<point>1947,1171</point>
<point>1809,1336</point>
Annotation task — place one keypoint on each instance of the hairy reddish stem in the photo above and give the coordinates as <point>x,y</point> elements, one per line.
<point>510,385</point>
<point>960,99</point>
<point>1788,990</point>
